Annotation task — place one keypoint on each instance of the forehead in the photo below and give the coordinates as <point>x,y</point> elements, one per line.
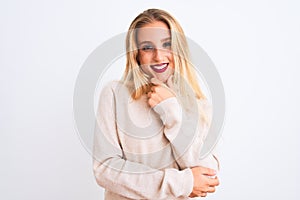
<point>153,32</point>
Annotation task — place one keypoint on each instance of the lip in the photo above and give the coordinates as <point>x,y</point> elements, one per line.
<point>160,68</point>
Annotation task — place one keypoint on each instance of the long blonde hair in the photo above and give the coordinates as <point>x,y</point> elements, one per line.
<point>183,72</point>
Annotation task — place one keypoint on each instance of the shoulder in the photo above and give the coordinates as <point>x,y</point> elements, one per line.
<point>106,96</point>
<point>114,90</point>
<point>111,87</point>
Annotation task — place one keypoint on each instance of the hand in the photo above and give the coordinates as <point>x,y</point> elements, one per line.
<point>202,182</point>
<point>160,91</point>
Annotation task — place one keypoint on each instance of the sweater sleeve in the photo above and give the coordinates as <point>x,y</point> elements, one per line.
<point>130,179</point>
<point>186,139</point>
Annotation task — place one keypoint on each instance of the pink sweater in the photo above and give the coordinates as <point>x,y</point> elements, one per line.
<point>140,153</point>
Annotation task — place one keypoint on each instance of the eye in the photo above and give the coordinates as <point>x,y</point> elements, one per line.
<point>147,48</point>
<point>167,44</point>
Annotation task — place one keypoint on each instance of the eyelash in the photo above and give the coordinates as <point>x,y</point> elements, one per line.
<point>167,44</point>
<point>147,48</point>
<point>151,48</point>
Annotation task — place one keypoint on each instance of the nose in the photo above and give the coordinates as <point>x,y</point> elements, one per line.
<point>158,55</point>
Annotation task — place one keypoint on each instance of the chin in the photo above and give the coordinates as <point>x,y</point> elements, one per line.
<point>163,78</point>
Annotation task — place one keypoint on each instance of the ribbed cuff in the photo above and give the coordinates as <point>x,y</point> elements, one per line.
<point>188,182</point>
<point>170,111</point>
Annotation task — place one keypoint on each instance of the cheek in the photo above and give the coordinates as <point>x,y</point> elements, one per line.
<point>145,69</point>
<point>171,60</point>
<point>144,58</point>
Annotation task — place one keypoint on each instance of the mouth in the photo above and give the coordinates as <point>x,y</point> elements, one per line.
<point>160,68</point>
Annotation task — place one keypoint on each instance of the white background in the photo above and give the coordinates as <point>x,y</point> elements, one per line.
<point>254,45</point>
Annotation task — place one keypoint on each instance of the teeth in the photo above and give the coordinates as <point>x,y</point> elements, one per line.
<point>160,67</point>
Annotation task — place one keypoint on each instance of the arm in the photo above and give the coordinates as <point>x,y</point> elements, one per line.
<point>178,131</point>
<point>186,133</point>
<point>126,178</point>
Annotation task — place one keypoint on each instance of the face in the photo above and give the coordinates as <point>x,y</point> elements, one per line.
<point>154,54</point>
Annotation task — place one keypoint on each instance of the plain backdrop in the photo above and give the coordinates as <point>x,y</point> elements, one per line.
<point>254,44</point>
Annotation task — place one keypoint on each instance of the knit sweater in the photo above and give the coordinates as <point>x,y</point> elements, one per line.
<point>145,153</point>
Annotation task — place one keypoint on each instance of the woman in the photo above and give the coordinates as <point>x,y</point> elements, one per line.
<point>151,125</point>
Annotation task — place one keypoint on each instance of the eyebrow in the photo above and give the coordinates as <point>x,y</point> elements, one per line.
<point>162,40</point>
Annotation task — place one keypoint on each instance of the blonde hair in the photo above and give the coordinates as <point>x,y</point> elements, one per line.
<point>183,72</point>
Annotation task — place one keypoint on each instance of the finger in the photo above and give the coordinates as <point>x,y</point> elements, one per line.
<point>208,171</point>
<point>193,195</point>
<point>149,94</point>
<point>157,89</point>
<point>154,99</point>
<point>203,194</point>
<point>213,182</point>
<point>152,102</point>
<point>211,189</point>
<point>153,88</point>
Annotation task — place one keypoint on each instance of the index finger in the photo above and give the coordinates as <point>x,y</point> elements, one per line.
<point>154,88</point>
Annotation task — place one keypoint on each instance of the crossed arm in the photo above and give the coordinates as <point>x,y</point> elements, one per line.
<point>115,173</point>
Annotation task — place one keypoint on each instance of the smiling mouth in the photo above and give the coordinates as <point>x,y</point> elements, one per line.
<point>159,68</point>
